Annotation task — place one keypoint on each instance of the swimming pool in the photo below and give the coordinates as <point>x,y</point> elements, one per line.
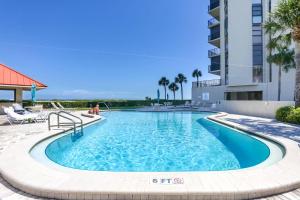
<point>157,142</point>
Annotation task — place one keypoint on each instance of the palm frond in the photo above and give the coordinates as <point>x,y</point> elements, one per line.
<point>283,57</point>
<point>173,87</point>
<point>195,73</point>
<point>272,26</point>
<point>282,40</point>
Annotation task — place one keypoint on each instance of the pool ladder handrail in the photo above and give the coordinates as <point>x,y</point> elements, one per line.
<point>105,105</point>
<point>59,124</point>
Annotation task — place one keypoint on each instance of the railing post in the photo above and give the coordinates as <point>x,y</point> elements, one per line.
<point>49,125</point>
<point>58,121</point>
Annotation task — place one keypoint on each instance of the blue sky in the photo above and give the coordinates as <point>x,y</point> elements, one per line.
<point>104,48</point>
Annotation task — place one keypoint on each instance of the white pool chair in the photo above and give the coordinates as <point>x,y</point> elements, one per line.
<point>54,105</point>
<point>42,116</point>
<point>63,108</point>
<point>187,103</point>
<point>19,109</point>
<point>197,105</point>
<point>184,106</point>
<point>156,107</point>
<point>13,117</point>
<point>60,106</point>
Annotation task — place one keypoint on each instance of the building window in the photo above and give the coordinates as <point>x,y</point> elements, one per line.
<point>244,96</point>
<point>257,55</point>
<point>205,96</point>
<point>257,41</point>
<point>257,74</point>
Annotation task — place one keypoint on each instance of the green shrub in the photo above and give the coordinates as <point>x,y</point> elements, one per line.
<point>288,114</point>
<point>294,116</point>
<point>282,113</point>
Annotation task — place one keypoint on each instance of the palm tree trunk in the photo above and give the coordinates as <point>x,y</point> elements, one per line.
<point>165,93</point>
<point>174,95</point>
<point>297,86</point>
<point>181,91</point>
<point>197,81</point>
<point>279,82</point>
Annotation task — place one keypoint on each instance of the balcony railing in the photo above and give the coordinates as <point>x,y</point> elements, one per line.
<point>213,4</point>
<point>215,33</point>
<point>214,36</point>
<point>207,83</point>
<point>214,52</point>
<point>213,22</point>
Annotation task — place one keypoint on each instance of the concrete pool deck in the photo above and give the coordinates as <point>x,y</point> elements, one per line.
<point>219,183</point>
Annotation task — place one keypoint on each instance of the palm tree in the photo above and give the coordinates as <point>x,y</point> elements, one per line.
<point>181,79</point>
<point>173,87</point>
<point>196,74</point>
<point>284,25</point>
<point>284,59</point>
<point>164,82</point>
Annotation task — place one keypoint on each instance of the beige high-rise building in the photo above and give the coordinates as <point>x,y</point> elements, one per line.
<point>239,55</point>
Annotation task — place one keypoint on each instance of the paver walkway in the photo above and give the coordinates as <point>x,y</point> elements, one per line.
<point>13,134</point>
<point>266,126</point>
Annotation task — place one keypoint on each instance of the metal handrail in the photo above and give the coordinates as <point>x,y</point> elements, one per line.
<point>73,122</point>
<point>105,105</point>
<point>67,113</point>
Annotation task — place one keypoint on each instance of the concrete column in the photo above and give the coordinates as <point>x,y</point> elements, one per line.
<point>19,95</point>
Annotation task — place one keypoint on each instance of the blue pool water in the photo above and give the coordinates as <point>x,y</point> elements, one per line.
<point>157,142</point>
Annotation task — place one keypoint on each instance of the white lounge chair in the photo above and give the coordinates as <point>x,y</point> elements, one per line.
<point>60,106</point>
<point>13,117</point>
<point>63,108</point>
<point>185,105</point>
<point>156,106</point>
<point>19,109</point>
<point>42,115</point>
<point>54,105</point>
<point>197,105</point>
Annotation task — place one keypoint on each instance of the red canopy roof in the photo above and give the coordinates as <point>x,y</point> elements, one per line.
<point>10,77</point>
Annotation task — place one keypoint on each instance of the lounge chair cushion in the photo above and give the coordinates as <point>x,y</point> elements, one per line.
<point>18,108</point>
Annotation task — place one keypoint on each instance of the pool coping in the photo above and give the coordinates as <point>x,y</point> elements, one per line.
<point>23,172</point>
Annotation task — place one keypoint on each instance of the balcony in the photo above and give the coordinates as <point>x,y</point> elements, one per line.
<point>214,8</point>
<point>213,22</point>
<point>207,83</point>
<point>214,52</point>
<point>214,69</point>
<point>214,39</point>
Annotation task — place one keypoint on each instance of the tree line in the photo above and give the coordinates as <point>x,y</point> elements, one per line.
<point>180,79</point>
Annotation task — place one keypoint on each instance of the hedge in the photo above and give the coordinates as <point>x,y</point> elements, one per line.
<point>288,114</point>
<point>110,103</point>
